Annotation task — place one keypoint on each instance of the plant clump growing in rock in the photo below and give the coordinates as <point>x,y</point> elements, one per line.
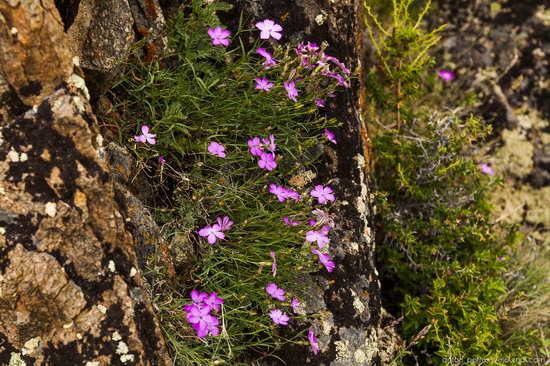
<point>223,128</point>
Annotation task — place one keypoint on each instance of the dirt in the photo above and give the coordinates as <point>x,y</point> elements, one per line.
<point>500,52</point>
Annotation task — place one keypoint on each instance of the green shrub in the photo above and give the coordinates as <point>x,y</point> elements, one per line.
<point>439,252</point>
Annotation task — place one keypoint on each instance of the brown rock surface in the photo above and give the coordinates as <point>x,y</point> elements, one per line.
<point>27,73</point>
<point>70,291</point>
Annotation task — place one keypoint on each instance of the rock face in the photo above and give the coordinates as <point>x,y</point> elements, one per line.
<point>25,32</point>
<point>102,32</point>
<point>70,291</point>
<point>348,299</point>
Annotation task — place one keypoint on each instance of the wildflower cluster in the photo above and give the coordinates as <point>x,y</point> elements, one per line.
<point>229,130</point>
<point>199,313</point>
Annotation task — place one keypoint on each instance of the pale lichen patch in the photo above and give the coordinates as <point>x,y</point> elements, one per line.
<point>31,345</point>
<point>111,266</point>
<point>357,303</point>
<point>51,209</point>
<point>133,272</point>
<point>13,156</point>
<point>127,358</point>
<point>116,336</point>
<point>360,357</point>
<point>342,350</point>
<point>102,309</point>
<point>16,360</point>
<point>121,348</point>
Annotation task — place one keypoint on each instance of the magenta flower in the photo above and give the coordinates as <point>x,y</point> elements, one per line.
<point>446,75</point>
<point>216,149</point>
<point>219,36</point>
<point>201,320</point>
<point>291,90</point>
<point>269,143</point>
<point>320,102</point>
<point>295,304</point>
<point>162,161</point>
<point>290,193</point>
<point>213,301</point>
<point>263,84</point>
<point>312,222</point>
<point>313,341</point>
<point>225,223</point>
<point>290,222</point>
<point>325,260</point>
<point>267,161</point>
<point>273,264</point>
<point>323,194</point>
<point>279,317</point>
<point>213,233</point>
<point>146,136</point>
<point>278,191</point>
<point>321,238</point>
<point>269,61</point>
<point>330,136</point>
<point>268,29</point>
<point>275,292</point>
<point>255,146</point>
<point>198,297</point>
<point>486,169</point>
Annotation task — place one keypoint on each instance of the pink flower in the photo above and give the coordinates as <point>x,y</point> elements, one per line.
<point>213,301</point>
<point>320,102</point>
<point>146,136</point>
<point>198,297</point>
<point>202,321</point>
<point>213,233</point>
<point>216,149</point>
<point>225,223</point>
<point>291,90</point>
<point>313,236</point>
<point>486,169</point>
<point>330,136</point>
<point>278,191</point>
<point>295,304</point>
<point>162,161</point>
<point>446,75</point>
<point>323,194</point>
<point>275,292</point>
<point>289,222</point>
<point>269,61</point>
<point>269,143</point>
<point>279,317</point>
<point>325,260</point>
<point>267,161</point>
<point>290,193</point>
<point>313,341</point>
<point>219,36</point>
<point>268,29</point>
<point>255,146</point>
<point>273,264</point>
<point>263,84</point>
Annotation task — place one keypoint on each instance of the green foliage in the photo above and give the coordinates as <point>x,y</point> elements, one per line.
<point>439,249</point>
<point>195,94</point>
<point>402,50</point>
